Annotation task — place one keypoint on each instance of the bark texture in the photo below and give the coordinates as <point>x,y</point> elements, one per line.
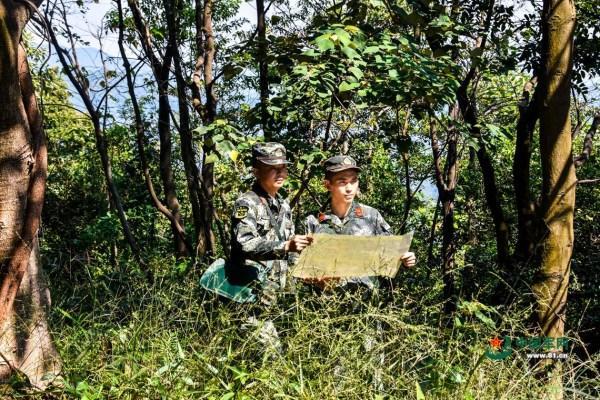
<point>528,116</point>
<point>25,342</point>
<point>558,172</point>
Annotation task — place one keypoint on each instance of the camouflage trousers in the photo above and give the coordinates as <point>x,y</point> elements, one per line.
<point>356,299</point>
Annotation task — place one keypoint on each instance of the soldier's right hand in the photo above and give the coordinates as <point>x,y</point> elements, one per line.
<point>298,243</point>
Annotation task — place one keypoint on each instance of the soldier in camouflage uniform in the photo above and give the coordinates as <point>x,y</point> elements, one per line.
<point>262,233</point>
<point>345,216</point>
<point>262,238</point>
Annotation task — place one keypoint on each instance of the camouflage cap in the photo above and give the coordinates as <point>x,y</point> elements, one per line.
<point>340,163</point>
<point>270,153</point>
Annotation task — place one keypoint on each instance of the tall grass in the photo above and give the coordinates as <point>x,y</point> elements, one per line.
<point>121,338</point>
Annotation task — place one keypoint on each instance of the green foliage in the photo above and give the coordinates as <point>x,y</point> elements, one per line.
<point>120,338</point>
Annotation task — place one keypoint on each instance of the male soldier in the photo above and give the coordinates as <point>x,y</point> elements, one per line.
<point>262,235</point>
<point>262,227</point>
<point>344,216</point>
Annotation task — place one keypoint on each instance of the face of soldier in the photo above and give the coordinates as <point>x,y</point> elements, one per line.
<point>343,186</point>
<point>271,177</point>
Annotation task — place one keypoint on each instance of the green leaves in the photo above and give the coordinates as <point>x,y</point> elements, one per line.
<point>346,86</point>
<point>324,43</point>
<point>224,138</point>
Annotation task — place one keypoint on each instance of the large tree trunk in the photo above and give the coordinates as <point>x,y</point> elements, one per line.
<point>25,342</point>
<point>558,171</point>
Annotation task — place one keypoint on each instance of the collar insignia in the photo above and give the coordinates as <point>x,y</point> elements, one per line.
<point>358,211</point>
<point>322,217</point>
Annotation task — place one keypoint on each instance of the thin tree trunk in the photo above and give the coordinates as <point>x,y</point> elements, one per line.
<point>161,72</point>
<point>405,161</point>
<point>166,170</point>
<point>200,190</point>
<point>263,68</point>
<point>431,240</point>
<point>528,116</point>
<point>210,115</point>
<point>492,196</point>
<point>182,248</point>
<point>78,80</point>
<point>588,142</point>
<point>558,171</point>
<point>468,108</point>
<point>446,185</point>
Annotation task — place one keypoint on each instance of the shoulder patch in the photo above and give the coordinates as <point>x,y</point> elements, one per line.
<point>241,212</point>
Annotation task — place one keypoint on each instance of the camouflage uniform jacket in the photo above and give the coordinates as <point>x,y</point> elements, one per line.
<point>361,220</point>
<point>257,251</point>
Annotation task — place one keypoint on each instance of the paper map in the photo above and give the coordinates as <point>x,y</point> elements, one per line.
<point>344,256</point>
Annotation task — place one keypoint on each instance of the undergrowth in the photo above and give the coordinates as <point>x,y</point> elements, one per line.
<point>120,337</point>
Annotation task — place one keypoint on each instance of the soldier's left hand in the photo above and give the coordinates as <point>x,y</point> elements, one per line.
<point>408,259</point>
<point>298,243</point>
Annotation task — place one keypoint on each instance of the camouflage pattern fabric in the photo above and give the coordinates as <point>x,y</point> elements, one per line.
<point>269,153</point>
<point>257,249</point>
<point>361,220</point>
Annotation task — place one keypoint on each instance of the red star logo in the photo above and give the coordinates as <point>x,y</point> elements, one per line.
<point>496,343</point>
<point>358,212</point>
<point>321,217</point>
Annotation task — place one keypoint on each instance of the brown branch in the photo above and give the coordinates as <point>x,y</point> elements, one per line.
<point>588,181</point>
<point>435,148</point>
<point>73,71</point>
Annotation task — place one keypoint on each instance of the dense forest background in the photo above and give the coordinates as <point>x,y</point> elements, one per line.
<point>149,113</point>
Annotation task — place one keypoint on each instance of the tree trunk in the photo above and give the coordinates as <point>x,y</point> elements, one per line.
<point>25,341</point>
<point>171,211</point>
<point>468,109</point>
<point>166,170</point>
<point>558,171</point>
<point>446,185</point>
<point>161,72</point>
<point>263,68</point>
<point>77,78</point>
<point>209,117</point>
<point>528,116</point>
